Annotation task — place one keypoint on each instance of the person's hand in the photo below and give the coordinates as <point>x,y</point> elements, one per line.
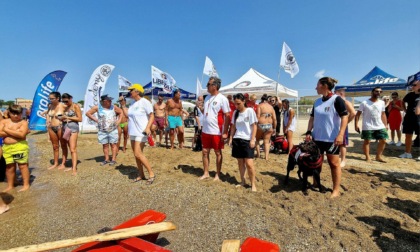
<point>252,144</point>
<point>230,142</point>
<point>357,129</point>
<point>63,118</point>
<point>338,140</point>
<point>147,131</point>
<point>225,136</point>
<point>308,138</point>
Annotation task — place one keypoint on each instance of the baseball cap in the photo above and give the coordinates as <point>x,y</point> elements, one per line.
<point>106,97</point>
<point>413,78</point>
<point>137,87</point>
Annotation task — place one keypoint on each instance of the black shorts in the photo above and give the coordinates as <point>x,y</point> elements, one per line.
<point>241,149</point>
<point>410,125</point>
<point>327,147</point>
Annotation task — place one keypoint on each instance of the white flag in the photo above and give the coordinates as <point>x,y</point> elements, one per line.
<point>162,80</point>
<point>288,61</point>
<point>123,84</point>
<point>94,90</point>
<point>209,68</point>
<point>199,89</point>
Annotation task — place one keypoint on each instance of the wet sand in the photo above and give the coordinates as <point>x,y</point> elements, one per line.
<point>379,208</point>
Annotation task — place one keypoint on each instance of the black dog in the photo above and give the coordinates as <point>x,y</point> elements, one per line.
<point>309,160</point>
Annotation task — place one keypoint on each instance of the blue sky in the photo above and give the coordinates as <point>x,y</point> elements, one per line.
<point>345,39</point>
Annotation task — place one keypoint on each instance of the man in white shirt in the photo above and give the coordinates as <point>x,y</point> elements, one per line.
<point>374,123</point>
<point>215,124</point>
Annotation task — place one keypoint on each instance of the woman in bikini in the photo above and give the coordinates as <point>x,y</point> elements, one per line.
<point>289,122</point>
<point>266,124</point>
<point>123,127</point>
<point>54,126</point>
<point>71,118</point>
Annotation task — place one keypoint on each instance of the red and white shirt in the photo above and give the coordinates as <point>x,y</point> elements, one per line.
<point>213,118</point>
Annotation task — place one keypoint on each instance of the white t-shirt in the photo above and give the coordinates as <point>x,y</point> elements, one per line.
<point>244,123</point>
<point>214,109</point>
<point>138,117</point>
<point>372,112</point>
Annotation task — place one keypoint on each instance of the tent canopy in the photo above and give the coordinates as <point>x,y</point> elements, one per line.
<point>185,95</point>
<point>375,78</point>
<point>253,82</point>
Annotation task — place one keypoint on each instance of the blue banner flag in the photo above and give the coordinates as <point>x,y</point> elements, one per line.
<point>49,84</point>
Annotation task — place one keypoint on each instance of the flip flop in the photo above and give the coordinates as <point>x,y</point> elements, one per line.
<point>151,180</point>
<point>112,163</point>
<point>103,163</point>
<point>138,179</point>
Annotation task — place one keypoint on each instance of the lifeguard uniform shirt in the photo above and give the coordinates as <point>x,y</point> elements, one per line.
<point>214,109</point>
<point>138,117</point>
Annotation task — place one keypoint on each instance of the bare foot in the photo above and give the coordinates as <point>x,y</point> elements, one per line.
<point>124,150</point>
<point>380,160</point>
<point>7,189</point>
<point>205,176</point>
<point>368,160</point>
<point>52,167</point>
<point>216,178</point>
<point>335,194</point>
<point>4,209</point>
<point>74,173</point>
<point>61,167</point>
<point>343,164</point>
<point>24,189</point>
<point>240,185</point>
<point>68,169</point>
<point>254,188</point>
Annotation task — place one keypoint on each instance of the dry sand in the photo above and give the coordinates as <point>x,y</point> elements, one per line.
<point>379,208</point>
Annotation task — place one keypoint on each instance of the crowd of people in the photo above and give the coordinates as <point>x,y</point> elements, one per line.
<point>237,120</point>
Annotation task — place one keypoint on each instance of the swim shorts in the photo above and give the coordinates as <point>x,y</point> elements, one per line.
<point>16,153</point>
<point>212,141</point>
<point>159,122</point>
<point>174,121</point>
<point>241,148</point>
<point>374,134</point>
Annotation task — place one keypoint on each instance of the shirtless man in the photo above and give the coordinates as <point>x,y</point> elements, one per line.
<point>174,119</point>
<point>15,148</point>
<point>160,122</point>
<point>123,127</point>
<point>266,124</point>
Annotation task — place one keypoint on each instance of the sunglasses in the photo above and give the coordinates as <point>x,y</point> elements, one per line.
<point>65,101</point>
<point>378,91</point>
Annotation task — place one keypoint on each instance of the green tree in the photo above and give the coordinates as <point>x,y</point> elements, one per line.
<point>1,103</point>
<point>10,103</point>
<point>81,102</point>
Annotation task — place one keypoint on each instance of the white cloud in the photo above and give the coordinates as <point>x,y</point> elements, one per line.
<point>320,74</point>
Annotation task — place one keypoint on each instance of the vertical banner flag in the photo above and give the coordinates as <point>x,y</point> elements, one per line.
<point>199,89</point>
<point>123,85</point>
<point>209,68</point>
<point>288,61</point>
<point>40,103</point>
<point>162,80</point>
<point>94,90</point>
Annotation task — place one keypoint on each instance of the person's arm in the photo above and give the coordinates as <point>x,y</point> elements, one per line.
<point>404,106</point>
<point>417,109</point>
<point>232,133</point>
<point>148,130</point>
<point>351,111</point>
<point>356,121</point>
<point>90,113</point>
<point>253,135</point>
<point>340,137</point>
<point>19,133</point>
<point>226,125</point>
<point>273,113</point>
<point>308,134</point>
<point>77,117</point>
<point>384,120</point>
<point>119,113</point>
<point>400,108</point>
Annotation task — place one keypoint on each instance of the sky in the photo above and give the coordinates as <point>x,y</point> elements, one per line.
<point>341,39</point>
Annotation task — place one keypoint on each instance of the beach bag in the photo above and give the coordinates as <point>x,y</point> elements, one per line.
<point>67,133</point>
<point>198,143</point>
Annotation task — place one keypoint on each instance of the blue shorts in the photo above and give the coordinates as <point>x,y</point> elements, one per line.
<point>108,137</point>
<point>174,121</point>
<point>1,141</point>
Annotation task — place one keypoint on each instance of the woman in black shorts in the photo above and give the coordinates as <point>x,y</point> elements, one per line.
<point>242,138</point>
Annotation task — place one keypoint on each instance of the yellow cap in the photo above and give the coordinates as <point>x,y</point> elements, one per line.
<point>137,87</point>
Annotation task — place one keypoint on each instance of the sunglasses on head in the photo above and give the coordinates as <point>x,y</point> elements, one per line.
<point>239,96</point>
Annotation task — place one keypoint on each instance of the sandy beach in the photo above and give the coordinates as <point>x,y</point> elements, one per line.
<point>379,209</point>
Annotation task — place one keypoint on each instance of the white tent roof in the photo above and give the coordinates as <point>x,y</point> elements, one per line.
<point>253,82</point>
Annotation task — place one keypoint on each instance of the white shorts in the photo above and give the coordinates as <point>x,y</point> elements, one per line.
<point>141,139</point>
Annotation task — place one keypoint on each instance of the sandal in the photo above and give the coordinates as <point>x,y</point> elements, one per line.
<point>151,180</point>
<point>112,163</point>
<point>138,179</point>
<point>103,163</point>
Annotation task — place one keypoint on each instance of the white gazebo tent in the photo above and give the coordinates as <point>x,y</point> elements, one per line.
<point>253,82</point>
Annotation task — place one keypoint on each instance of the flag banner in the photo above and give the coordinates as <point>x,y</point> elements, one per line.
<point>209,68</point>
<point>288,61</point>
<point>94,90</point>
<point>123,85</point>
<point>162,80</point>
<point>40,103</point>
<point>199,89</point>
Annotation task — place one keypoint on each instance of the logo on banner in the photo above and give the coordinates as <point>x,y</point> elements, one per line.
<point>290,59</point>
<point>106,71</point>
<point>243,84</point>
